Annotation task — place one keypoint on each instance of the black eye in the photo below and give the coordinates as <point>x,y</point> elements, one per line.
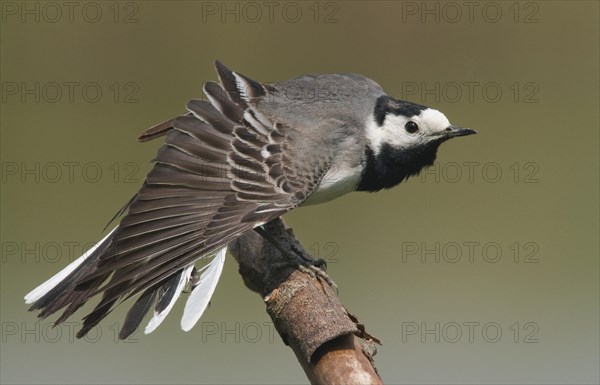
<point>411,127</point>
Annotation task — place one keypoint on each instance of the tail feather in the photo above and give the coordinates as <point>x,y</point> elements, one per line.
<point>164,294</point>
<point>100,311</point>
<point>63,290</point>
<point>168,298</point>
<point>78,297</point>
<point>200,296</point>
<point>163,298</point>
<point>58,291</point>
<point>136,314</point>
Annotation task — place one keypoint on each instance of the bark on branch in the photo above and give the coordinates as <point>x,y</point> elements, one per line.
<point>305,310</point>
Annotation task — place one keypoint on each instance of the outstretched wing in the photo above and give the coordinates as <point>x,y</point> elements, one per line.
<point>224,169</point>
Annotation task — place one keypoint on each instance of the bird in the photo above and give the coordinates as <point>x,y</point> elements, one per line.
<point>243,156</point>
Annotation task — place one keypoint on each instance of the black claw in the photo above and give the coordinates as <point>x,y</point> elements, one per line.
<point>320,263</point>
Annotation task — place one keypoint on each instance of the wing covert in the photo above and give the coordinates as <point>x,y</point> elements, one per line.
<point>224,169</point>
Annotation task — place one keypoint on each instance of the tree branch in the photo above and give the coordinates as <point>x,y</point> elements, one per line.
<point>305,310</point>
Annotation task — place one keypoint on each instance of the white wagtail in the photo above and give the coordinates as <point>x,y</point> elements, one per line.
<point>249,154</point>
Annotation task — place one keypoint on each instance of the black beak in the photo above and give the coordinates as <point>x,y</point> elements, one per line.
<point>453,131</point>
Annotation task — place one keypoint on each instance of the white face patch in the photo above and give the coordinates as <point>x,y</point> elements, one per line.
<point>393,132</point>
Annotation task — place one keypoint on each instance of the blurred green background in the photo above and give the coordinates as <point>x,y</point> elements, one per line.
<point>482,270</point>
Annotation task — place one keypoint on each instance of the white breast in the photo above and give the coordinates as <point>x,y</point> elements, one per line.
<point>338,181</point>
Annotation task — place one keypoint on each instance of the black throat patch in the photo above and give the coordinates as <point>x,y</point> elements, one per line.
<point>391,166</point>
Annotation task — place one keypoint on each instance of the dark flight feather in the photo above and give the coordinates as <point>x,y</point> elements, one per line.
<point>136,314</point>
<point>167,291</point>
<point>222,171</point>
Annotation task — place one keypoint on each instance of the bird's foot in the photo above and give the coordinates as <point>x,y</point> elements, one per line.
<point>300,259</point>
<point>316,268</point>
<point>317,272</point>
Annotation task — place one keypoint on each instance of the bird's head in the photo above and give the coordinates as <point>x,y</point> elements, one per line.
<point>402,138</point>
<point>404,126</point>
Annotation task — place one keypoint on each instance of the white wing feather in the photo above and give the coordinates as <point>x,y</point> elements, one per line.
<point>159,317</point>
<point>200,296</point>
<point>45,287</point>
